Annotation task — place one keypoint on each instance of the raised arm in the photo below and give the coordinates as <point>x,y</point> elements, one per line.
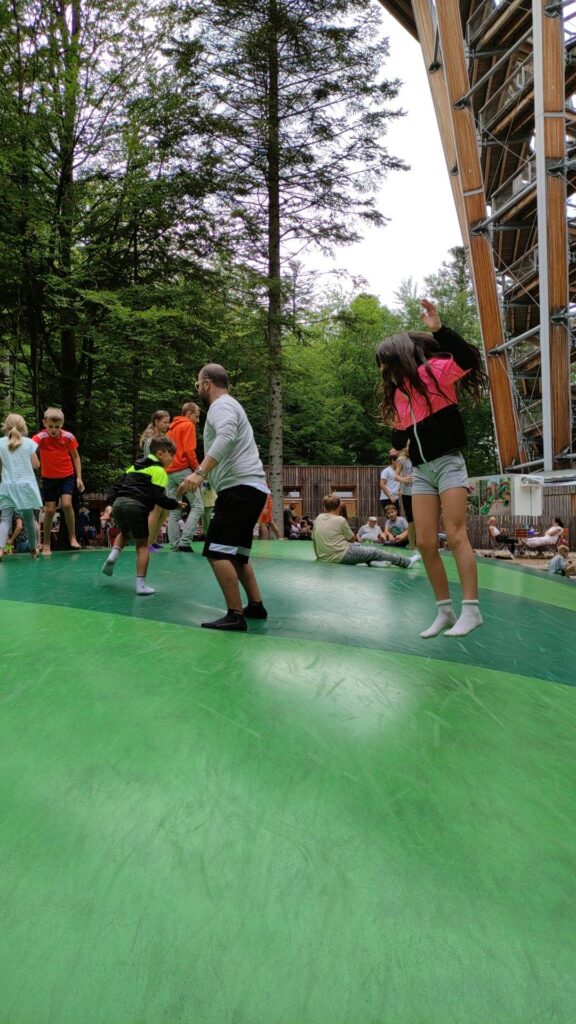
<point>449,341</point>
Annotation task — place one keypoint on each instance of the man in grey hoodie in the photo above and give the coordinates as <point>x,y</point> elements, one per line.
<point>232,462</point>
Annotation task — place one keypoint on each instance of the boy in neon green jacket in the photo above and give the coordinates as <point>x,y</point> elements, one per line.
<point>132,497</point>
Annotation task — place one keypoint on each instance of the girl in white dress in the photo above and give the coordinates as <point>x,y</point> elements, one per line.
<point>18,489</point>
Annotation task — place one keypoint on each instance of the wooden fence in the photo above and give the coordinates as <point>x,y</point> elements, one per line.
<point>360,489</point>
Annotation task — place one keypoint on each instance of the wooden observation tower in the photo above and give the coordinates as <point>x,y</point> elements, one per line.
<point>502,75</point>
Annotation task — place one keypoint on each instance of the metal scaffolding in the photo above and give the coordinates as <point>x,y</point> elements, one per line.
<point>502,75</point>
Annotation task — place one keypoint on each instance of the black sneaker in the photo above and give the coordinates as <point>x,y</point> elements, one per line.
<point>232,622</point>
<point>189,551</point>
<point>255,610</point>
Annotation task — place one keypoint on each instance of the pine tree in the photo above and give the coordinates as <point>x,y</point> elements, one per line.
<point>299,85</point>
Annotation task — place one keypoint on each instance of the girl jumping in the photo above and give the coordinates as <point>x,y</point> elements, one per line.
<point>420,373</point>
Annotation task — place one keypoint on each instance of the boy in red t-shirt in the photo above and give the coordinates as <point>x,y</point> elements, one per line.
<point>60,465</point>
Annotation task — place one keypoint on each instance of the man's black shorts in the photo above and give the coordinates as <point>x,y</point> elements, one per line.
<point>231,528</point>
<point>131,517</point>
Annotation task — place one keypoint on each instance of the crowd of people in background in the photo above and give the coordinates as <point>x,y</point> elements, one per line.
<point>168,493</point>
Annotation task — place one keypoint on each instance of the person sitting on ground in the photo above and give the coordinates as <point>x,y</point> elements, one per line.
<point>132,498</point>
<point>500,538</point>
<point>332,539</point>
<point>370,532</point>
<point>86,528</point>
<point>18,539</point>
<point>306,525</point>
<point>549,538</point>
<point>564,563</point>
<point>295,528</point>
<point>395,528</point>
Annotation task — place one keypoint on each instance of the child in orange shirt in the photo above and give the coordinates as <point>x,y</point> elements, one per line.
<point>60,466</point>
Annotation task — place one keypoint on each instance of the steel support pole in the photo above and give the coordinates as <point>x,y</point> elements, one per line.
<point>542,214</point>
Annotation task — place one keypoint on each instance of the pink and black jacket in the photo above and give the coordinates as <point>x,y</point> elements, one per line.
<point>437,431</point>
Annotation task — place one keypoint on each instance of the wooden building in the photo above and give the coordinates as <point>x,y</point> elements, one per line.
<point>502,76</point>
<point>358,486</point>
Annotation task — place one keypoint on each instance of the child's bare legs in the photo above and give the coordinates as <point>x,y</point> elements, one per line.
<point>454,517</point>
<point>426,508</point>
<point>426,516</point>
<point>5,527</point>
<point>115,552</point>
<point>142,561</point>
<point>156,520</point>
<point>49,513</point>
<point>30,525</point>
<point>66,502</point>
<point>142,557</point>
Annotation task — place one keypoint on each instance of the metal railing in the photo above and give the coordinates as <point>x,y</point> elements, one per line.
<point>514,187</point>
<point>517,83</point>
<point>479,19</point>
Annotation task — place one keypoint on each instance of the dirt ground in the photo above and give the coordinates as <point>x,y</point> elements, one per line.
<point>540,563</point>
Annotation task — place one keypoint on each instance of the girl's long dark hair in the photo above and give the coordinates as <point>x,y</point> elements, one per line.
<point>399,357</point>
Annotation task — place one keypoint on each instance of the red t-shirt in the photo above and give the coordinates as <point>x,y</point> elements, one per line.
<point>54,453</point>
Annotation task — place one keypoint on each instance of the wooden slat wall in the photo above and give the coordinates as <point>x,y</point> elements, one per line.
<point>557,501</point>
<point>316,481</point>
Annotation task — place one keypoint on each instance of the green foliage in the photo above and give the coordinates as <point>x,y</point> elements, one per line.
<point>155,199</point>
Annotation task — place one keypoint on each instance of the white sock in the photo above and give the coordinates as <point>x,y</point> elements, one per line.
<point>142,587</point>
<point>108,567</point>
<point>417,557</point>
<point>445,617</point>
<point>470,618</point>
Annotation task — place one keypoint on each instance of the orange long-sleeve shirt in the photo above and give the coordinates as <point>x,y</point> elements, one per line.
<point>183,433</point>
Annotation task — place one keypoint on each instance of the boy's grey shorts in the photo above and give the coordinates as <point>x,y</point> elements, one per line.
<point>440,475</point>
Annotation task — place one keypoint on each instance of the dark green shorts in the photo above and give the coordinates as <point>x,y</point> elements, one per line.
<point>131,517</point>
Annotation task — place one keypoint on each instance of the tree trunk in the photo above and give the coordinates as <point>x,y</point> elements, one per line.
<point>69,359</point>
<point>273,325</point>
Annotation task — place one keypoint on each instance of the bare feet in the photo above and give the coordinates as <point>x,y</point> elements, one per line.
<point>46,551</point>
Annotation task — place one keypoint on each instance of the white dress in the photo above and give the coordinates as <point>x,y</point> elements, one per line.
<point>18,488</point>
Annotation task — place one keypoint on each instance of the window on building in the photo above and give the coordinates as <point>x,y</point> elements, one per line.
<point>293,496</point>
<point>348,498</point>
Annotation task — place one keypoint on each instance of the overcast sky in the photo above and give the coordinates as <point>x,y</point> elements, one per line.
<point>423,225</point>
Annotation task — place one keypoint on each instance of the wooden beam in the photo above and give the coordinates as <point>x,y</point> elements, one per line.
<point>402,11</point>
<point>427,37</point>
<point>480,251</point>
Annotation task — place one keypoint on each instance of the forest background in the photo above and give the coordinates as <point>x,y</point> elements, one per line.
<point>164,171</point>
